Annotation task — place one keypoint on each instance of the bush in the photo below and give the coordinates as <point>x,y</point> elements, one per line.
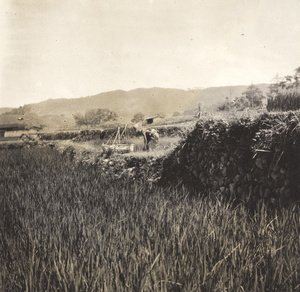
<point>95,117</point>
<point>139,117</point>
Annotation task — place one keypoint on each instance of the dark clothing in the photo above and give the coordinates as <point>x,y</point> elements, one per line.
<point>150,135</point>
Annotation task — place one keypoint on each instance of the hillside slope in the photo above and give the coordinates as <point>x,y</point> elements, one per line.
<point>146,100</point>
<point>124,103</point>
<point>149,101</point>
<point>214,95</point>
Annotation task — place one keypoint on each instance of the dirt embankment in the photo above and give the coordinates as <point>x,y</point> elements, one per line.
<point>132,166</point>
<point>249,159</point>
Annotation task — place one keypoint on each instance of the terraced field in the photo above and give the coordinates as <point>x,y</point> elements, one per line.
<point>71,222</point>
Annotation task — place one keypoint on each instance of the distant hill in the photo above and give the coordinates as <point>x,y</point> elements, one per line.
<point>146,100</point>
<point>5,109</point>
<point>27,119</point>
<point>124,103</point>
<point>149,101</point>
<point>214,95</point>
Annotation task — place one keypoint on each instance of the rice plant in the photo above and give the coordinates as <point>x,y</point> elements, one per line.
<point>65,227</point>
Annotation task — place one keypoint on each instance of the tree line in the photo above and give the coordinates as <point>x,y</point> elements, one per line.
<point>283,95</point>
<point>97,117</point>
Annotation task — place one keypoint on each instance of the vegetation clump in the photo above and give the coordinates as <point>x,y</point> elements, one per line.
<point>252,98</point>
<point>251,159</point>
<point>284,93</point>
<point>95,117</point>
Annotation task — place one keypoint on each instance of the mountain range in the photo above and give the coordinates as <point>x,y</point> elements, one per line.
<point>149,101</point>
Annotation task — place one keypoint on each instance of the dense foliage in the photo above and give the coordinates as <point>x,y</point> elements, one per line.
<point>95,117</point>
<point>251,98</point>
<point>249,158</point>
<point>138,117</point>
<point>288,101</point>
<point>65,227</point>
<point>284,93</point>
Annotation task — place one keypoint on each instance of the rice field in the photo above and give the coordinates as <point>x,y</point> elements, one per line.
<point>64,227</point>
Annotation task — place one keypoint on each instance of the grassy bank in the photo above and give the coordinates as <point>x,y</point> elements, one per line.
<point>64,227</point>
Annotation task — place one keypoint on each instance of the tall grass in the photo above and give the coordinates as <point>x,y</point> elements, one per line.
<point>65,228</point>
<point>287,101</point>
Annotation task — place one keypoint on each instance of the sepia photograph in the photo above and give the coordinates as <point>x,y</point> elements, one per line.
<point>149,145</point>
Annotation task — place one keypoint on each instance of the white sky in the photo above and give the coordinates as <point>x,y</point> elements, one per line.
<point>76,48</point>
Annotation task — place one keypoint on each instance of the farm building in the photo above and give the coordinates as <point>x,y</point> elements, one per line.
<point>16,130</point>
<point>150,120</point>
<point>6,128</point>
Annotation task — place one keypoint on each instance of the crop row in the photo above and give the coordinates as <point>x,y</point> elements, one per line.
<point>67,227</point>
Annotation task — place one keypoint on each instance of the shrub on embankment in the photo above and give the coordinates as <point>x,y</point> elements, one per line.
<point>247,159</point>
